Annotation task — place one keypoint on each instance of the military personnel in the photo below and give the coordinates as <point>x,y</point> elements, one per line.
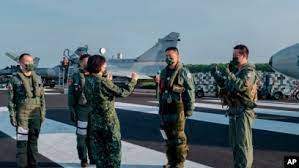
<point>27,110</point>
<point>176,102</point>
<point>100,93</point>
<point>80,111</point>
<point>238,83</point>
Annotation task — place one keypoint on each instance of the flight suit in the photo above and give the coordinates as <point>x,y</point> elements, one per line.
<point>176,102</point>
<point>104,124</point>
<point>27,111</point>
<point>80,111</point>
<point>239,93</point>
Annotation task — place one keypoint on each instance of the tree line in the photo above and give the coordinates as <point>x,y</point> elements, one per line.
<point>195,68</point>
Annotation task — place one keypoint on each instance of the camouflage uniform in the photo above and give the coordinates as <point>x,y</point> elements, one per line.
<point>239,92</point>
<point>176,102</point>
<point>104,125</point>
<point>80,114</point>
<point>27,111</point>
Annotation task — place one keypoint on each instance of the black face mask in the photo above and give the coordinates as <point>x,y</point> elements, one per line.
<point>235,61</point>
<point>29,67</point>
<point>169,61</point>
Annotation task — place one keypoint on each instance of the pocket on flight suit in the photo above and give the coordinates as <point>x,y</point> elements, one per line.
<point>180,123</point>
<point>22,116</point>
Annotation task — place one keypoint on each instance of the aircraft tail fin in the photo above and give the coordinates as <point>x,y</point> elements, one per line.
<point>12,56</point>
<point>156,53</point>
<point>36,61</point>
<point>15,58</point>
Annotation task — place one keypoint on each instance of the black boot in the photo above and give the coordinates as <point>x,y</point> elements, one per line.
<point>84,163</point>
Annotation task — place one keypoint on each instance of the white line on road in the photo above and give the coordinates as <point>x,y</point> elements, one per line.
<point>57,142</point>
<point>257,110</point>
<point>267,103</point>
<point>268,125</point>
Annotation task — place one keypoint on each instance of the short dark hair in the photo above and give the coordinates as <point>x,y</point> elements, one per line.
<point>242,48</point>
<point>84,56</point>
<point>94,63</point>
<point>23,55</point>
<point>172,49</point>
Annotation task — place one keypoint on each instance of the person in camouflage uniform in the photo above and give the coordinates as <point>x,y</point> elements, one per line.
<point>238,83</point>
<point>100,93</point>
<point>79,110</point>
<point>176,102</point>
<point>27,110</point>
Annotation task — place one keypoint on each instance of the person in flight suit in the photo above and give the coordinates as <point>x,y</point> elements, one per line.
<point>176,102</point>
<point>238,83</point>
<point>27,110</point>
<point>100,93</point>
<point>80,111</point>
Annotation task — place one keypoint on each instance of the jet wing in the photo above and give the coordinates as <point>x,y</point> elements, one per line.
<point>12,56</point>
<point>128,74</point>
<point>15,58</point>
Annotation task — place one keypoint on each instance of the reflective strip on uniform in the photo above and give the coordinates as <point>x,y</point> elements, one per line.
<point>22,134</point>
<point>82,124</point>
<point>163,134</point>
<point>81,131</point>
<point>82,127</point>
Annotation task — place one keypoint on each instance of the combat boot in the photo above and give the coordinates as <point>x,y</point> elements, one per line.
<point>84,164</point>
<point>166,166</point>
<point>179,165</point>
<point>92,162</point>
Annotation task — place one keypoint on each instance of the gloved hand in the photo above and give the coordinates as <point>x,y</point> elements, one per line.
<point>13,120</point>
<point>43,116</point>
<point>73,114</point>
<point>227,69</point>
<point>188,113</point>
<point>230,75</point>
<point>213,69</point>
<point>233,67</point>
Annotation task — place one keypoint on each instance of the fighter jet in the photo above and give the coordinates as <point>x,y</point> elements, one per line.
<point>146,65</point>
<point>9,70</point>
<point>48,74</point>
<point>286,61</point>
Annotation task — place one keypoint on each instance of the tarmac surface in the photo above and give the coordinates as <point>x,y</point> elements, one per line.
<point>275,133</point>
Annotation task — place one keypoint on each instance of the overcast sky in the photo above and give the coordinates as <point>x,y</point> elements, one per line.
<point>209,28</point>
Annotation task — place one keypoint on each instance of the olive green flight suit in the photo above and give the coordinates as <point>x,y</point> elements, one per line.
<point>176,102</point>
<point>80,112</point>
<point>27,112</point>
<point>104,124</point>
<point>239,92</point>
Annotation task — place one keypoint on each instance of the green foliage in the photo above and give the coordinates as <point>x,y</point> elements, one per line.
<point>195,68</point>
<point>263,67</point>
<point>147,85</point>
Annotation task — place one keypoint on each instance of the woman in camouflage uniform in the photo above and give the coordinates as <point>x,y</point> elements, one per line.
<point>100,93</point>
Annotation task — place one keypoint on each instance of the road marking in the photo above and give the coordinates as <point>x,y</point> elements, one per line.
<point>267,103</point>
<point>257,110</point>
<point>261,124</point>
<point>57,142</point>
